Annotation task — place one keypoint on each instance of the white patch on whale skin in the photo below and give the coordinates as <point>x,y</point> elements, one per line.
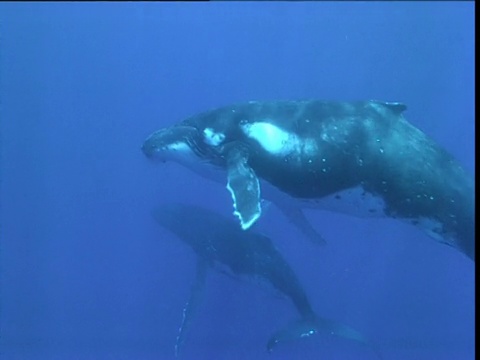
<point>213,138</point>
<point>278,141</point>
<point>181,153</point>
<point>178,150</point>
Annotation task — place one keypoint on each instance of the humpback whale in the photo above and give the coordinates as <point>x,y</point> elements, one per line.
<point>220,243</point>
<point>361,158</point>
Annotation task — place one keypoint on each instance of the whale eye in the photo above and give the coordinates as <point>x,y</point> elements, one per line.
<point>213,138</point>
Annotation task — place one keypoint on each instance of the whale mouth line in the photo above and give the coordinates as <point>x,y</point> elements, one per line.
<point>193,145</point>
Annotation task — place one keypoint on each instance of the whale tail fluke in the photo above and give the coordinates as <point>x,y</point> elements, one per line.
<point>308,327</point>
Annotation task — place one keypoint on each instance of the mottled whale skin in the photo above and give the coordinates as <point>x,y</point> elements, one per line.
<point>221,244</point>
<point>363,158</point>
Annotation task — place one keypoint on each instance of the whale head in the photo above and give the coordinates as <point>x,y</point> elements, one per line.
<point>172,143</point>
<point>193,147</point>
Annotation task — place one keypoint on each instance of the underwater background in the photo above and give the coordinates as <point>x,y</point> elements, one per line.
<point>85,271</point>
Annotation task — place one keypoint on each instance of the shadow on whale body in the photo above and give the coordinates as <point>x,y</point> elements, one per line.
<point>220,243</point>
<point>360,158</point>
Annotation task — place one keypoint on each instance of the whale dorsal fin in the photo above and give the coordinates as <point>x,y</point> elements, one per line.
<point>396,107</point>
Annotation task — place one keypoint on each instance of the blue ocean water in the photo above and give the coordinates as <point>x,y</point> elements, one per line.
<point>85,271</point>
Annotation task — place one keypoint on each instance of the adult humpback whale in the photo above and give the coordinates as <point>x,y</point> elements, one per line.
<point>220,243</point>
<point>361,158</point>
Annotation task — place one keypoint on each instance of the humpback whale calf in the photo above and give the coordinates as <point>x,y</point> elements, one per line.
<point>221,244</point>
<point>361,158</point>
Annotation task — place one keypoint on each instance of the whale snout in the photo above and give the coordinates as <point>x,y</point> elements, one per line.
<point>168,143</point>
<point>153,145</point>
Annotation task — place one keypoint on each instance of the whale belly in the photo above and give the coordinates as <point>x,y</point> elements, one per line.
<point>354,202</point>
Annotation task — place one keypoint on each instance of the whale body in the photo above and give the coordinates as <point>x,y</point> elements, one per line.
<point>220,244</point>
<point>361,158</point>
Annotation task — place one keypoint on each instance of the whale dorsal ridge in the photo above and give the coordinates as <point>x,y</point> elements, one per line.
<point>396,107</point>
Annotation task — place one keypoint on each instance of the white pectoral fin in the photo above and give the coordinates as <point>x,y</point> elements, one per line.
<point>192,304</point>
<point>244,187</point>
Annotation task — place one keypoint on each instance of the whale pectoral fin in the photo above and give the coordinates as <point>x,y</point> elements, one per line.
<point>298,218</point>
<point>192,304</point>
<point>308,327</point>
<point>244,187</point>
